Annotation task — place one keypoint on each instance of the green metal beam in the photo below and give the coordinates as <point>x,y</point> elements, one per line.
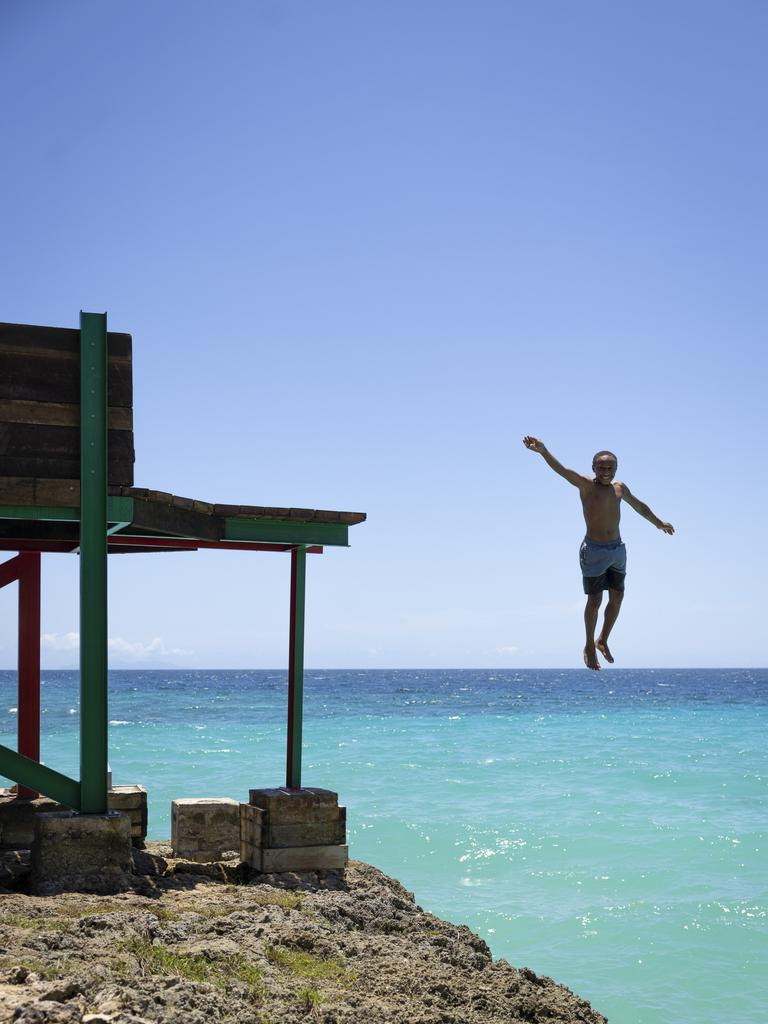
<point>287,531</point>
<point>68,515</point>
<point>93,563</point>
<point>119,510</point>
<point>116,528</point>
<point>39,778</point>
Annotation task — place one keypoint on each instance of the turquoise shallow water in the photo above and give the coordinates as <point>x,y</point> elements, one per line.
<point>609,831</point>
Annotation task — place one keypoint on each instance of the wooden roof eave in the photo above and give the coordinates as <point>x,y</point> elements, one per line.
<point>139,513</point>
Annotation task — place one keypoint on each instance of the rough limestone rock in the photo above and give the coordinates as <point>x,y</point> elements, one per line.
<point>201,946</point>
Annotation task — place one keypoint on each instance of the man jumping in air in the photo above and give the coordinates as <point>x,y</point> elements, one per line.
<point>602,555</point>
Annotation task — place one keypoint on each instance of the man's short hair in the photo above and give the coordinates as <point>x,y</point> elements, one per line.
<point>599,454</point>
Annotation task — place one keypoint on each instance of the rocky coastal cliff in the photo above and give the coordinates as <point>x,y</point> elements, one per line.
<point>204,943</point>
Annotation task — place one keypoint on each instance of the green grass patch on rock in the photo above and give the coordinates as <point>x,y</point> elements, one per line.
<point>307,965</point>
<point>31,965</point>
<point>308,999</point>
<point>286,900</point>
<point>33,923</point>
<point>219,971</point>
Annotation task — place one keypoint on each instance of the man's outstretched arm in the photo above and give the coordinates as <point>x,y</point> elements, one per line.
<point>533,444</point>
<point>642,509</point>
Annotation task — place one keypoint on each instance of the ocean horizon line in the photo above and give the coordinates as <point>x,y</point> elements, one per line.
<point>411,668</point>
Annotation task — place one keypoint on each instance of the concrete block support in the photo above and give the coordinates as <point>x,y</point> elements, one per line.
<point>250,835</point>
<point>301,830</point>
<point>204,830</point>
<point>131,800</point>
<point>331,832</point>
<point>80,852</point>
<point>285,806</point>
<point>17,819</point>
<point>305,858</point>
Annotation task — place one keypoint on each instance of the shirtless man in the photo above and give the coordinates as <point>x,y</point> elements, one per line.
<point>602,555</point>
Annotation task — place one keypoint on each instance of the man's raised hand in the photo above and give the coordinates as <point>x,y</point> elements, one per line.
<point>533,444</point>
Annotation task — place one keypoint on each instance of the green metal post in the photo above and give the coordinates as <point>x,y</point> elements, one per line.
<point>93,563</point>
<point>296,667</point>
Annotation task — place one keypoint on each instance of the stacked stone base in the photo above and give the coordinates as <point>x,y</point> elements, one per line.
<point>65,851</point>
<point>293,830</point>
<point>18,814</point>
<point>17,818</point>
<point>204,829</point>
<point>81,852</point>
<point>132,801</point>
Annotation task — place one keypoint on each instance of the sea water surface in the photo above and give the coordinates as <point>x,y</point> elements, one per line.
<point>606,830</point>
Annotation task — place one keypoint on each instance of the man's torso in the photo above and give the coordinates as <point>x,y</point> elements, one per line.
<point>601,504</point>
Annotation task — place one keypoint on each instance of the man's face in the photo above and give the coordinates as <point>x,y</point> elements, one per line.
<point>605,469</point>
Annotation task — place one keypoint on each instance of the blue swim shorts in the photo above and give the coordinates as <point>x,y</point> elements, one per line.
<point>603,566</point>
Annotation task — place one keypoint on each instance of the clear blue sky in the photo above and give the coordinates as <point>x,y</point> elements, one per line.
<point>363,248</point>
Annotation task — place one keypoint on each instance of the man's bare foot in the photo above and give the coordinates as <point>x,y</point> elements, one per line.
<point>602,646</point>
<point>590,659</point>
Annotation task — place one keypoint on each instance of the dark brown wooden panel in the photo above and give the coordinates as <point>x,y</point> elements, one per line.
<point>56,493</point>
<point>42,364</point>
<point>186,503</point>
<point>30,491</point>
<point>162,518</point>
<point>31,450</point>
<point>159,497</point>
<point>56,414</point>
<point>18,491</point>
<point>30,377</point>
<point>322,516</point>
<point>57,340</point>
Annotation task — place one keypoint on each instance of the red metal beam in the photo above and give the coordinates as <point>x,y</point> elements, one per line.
<point>25,568</point>
<point>25,544</point>
<point>29,660</point>
<point>10,571</point>
<point>289,750</point>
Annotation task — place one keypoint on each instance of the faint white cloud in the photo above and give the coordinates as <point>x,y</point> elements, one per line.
<point>507,649</point>
<point>129,650</point>
<point>60,641</point>
<point>138,650</point>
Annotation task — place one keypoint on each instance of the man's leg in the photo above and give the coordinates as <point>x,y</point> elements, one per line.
<point>590,622</point>
<point>612,609</point>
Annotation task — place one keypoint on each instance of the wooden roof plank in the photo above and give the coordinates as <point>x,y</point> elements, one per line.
<point>162,517</point>
<point>204,507</point>
<point>187,503</point>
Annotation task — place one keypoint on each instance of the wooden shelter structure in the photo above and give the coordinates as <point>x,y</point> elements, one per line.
<point>66,485</point>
